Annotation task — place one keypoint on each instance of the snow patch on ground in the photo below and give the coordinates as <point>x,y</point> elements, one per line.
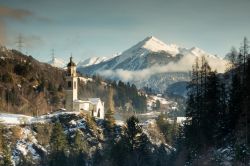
<point>151,114</point>
<point>119,122</point>
<point>25,146</point>
<point>151,101</point>
<point>85,79</point>
<point>14,119</point>
<point>161,99</point>
<point>17,119</point>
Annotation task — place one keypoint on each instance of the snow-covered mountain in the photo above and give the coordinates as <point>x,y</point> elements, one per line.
<point>56,62</point>
<point>91,61</point>
<point>152,63</point>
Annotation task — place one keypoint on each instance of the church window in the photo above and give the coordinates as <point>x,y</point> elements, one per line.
<point>98,114</point>
<point>69,72</point>
<point>69,84</point>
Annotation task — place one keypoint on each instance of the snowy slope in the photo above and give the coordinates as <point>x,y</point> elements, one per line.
<point>56,62</point>
<point>14,119</point>
<point>91,61</point>
<point>17,119</point>
<point>143,48</point>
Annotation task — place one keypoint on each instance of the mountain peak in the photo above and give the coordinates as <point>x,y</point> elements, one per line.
<point>153,44</point>
<point>150,38</point>
<point>149,44</point>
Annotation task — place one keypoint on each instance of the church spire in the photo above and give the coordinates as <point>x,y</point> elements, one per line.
<point>71,63</point>
<point>71,67</point>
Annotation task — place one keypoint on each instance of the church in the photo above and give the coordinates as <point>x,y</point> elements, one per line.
<point>91,106</point>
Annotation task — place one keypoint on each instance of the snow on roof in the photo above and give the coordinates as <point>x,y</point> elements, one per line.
<point>94,100</point>
<point>82,101</point>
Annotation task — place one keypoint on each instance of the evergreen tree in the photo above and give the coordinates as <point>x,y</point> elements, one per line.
<point>192,125</point>
<point>205,107</point>
<point>5,149</point>
<point>58,141</point>
<point>247,98</point>
<point>244,52</point>
<point>133,147</point>
<point>232,58</point>
<point>216,109</point>
<point>6,154</point>
<point>78,153</point>
<point>235,101</point>
<point>25,160</point>
<point>109,116</point>
<point>90,121</point>
<point>79,144</point>
<point>157,105</point>
<point>212,109</point>
<point>59,146</point>
<point>168,129</point>
<point>58,158</point>
<point>223,113</point>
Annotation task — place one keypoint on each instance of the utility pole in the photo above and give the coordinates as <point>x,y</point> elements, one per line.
<point>53,54</point>
<point>20,42</point>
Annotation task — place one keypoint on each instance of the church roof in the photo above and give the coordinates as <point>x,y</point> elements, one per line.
<point>71,63</point>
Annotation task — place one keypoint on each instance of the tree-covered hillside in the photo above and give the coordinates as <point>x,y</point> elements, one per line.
<point>217,127</point>
<point>30,87</point>
<point>126,97</point>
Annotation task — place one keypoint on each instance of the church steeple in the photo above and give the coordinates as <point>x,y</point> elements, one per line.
<point>71,63</point>
<point>71,67</point>
<point>72,87</point>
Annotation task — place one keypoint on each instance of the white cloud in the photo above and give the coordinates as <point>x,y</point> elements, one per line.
<point>185,64</point>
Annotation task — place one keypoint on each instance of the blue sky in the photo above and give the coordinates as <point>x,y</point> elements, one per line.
<point>88,28</point>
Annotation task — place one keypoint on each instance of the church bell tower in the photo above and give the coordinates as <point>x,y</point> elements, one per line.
<point>71,85</point>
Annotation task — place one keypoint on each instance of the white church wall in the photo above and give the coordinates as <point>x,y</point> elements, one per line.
<point>99,110</point>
